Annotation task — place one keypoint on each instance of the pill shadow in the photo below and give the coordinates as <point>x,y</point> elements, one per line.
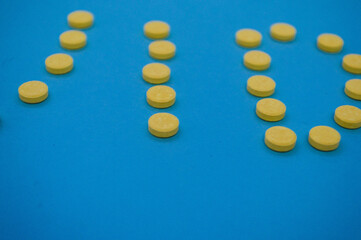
<point>328,53</point>
<point>33,105</point>
<point>337,151</point>
<point>149,85</point>
<point>58,76</point>
<point>165,140</point>
<point>284,42</point>
<point>282,155</point>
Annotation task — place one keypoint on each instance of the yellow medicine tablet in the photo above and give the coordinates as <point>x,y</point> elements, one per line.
<point>257,60</point>
<point>330,43</point>
<point>348,116</point>
<point>353,89</point>
<point>261,86</point>
<point>59,63</point>
<point>162,49</point>
<point>80,19</point>
<point>161,96</point>
<point>324,138</point>
<point>163,125</point>
<point>72,39</point>
<point>248,38</point>
<point>280,139</point>
<point>156,73</point>
<point>352,63</point>
<point>270,109</point>
<point>156,29</point>
<point>33,92</point>
<point>283,32</point>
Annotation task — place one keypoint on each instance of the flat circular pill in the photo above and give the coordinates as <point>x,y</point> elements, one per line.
<point>59,63</point>
<point>330,43</point>
<point>161,96</point>
<point>80,19</point>
<point>353,89</point>
<point>162,49</point>
<point>33,92</point>
<point>324,138</point>
<point>156,30</point>
<point>283,32</point>
<point>270,109</point>
<point>280,139</point>
<point>261,86</point>
<point>257,60</point>
<point>163,125</point>
<point>72,39</point>
<point>156,73</point>
<point>352,63</point>
<point>248,38</point>
<point>348,116</point>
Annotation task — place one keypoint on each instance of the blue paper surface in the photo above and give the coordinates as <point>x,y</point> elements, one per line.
<point>82,164</point>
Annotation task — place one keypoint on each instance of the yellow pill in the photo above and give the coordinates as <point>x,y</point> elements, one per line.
<point>248,38</point>
<point>330,43</point>
<point>283,32</point>
<point>324,138</point>
<point>156,29</point>
<point>280,139</point>
<point>352,63</point>
<point>162,49</point>
<point>59,63</point>
<point>353,89</point>
<point>348,116</point>
<point>270,109</point>
<point>156,73</point>
<point>257,60</point>
<point>161,96</point>
<point>80,19</point>
<point>261,86</point>
<point>72,39</point>
<point>163,125</point>
<point>33,92</point>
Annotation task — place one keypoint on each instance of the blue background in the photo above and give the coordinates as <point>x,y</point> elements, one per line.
<point>82,164</point>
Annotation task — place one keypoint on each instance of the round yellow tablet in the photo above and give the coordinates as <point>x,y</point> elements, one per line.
<point>161,96</point>
<point>261,86</point>
<point>72,39</point>
<point>248,38</point>
<point>156,29</point>
<point>348,116</point>
<point>156,73</point>
<point>270,109</point>
<point>163,125</point>
<point>33,92</point>
<point>257,60</point>
<point>59,63</point>
<point>80,19</point>
<point>324,138</point>
<point>162,49</point>
<point>352,63</point>
<point>283,32</point>
<point>330,43</point>
<point>353,89</point>
<point>280,139</point>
